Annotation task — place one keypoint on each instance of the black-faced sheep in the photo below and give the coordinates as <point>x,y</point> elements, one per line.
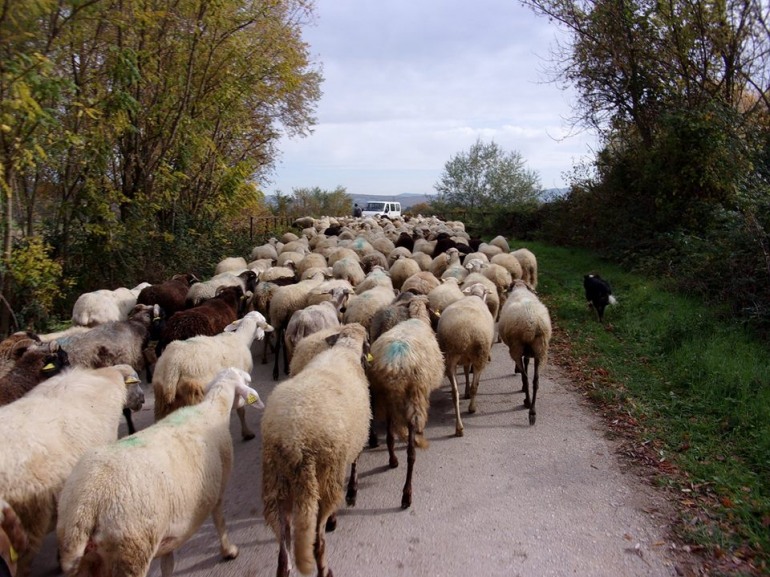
<point>407,365</point>
<point>598,294</point>
<point>45,433</point>
<point>465,333</point>
<point>186,366</point>
<point>525,328</point>
<point>314,426</point>
<point>147,494</point>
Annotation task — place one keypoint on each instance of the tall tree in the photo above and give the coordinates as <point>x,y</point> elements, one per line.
<point>486,176</point>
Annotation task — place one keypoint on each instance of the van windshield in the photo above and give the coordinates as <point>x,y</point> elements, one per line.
<point>375,206</point>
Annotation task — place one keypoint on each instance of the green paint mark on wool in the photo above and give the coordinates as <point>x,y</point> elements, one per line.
<point>131,441</point>
<point>181,416</point>
<point>358,244</point>
<point>395,351</point>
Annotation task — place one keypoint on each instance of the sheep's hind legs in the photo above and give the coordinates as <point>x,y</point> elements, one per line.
<point>450,371</point>
<point>535,384</point>
<point>391,441</point>
<point>350,497</point>
<point>284,560</point>
<point>319,551</point>
<point>246,433</point>
<point>229,551</point>
<point>406,499</point>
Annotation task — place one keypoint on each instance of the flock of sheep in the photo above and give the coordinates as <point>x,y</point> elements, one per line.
<point>369,315</point>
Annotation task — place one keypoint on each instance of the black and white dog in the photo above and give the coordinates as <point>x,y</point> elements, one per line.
<point>598,293</point>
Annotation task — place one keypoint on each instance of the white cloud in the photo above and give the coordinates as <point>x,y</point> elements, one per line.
<point>408,85</point>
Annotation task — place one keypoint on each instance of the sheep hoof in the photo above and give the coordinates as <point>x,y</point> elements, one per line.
<point>472,409</point>
<point>458,433</point>
<point>532,418</point>
<point>393,463</point>
<point>331,523</point>
<point>526,403</point>
<point>406,501</point>
<point>247,436</point>
<point>230,553</point>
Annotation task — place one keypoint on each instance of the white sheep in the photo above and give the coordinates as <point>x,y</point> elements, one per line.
<point>362,308</point>
<point>201,291</point>
<point>186,366</point>
<point>45,433</point>
<point>525,328</point>
<point>234,264</point>
<point>420,283</point>
<point>348,269</point>
<point>378,276</point>
<point>444,295</point>
<point>407,365</point>
<point>314,318</point>
<point>104,306</point>
<point>510,262</point>
<point>285,301</point>
<point>465,333</point>
<point>401,269</point>
<point>528,263</point>
<point>314,426</point>
<point>146,495</point>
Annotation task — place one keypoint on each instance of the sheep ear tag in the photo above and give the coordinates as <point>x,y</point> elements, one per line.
<point>255,401</point>
<point>48,367</point>
<point>131,380</point>
<point>369,357</point>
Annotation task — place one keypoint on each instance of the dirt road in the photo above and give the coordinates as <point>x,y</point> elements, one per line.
<point>505,500</point>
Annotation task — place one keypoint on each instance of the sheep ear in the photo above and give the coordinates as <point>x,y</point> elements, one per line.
<point>331,340</point>
<point>233,326</point>
<point>266,327</point>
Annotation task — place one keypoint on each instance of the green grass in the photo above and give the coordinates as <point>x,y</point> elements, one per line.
<point>694,385</point>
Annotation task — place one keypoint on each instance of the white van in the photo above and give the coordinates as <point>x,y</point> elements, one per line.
<point>382,208</point>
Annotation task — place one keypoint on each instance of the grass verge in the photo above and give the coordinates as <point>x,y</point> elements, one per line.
<point>689,391</point>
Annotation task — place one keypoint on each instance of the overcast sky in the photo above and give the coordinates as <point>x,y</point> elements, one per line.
<point>410,83</point>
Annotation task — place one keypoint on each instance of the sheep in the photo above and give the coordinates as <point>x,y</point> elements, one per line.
<point>378,276</point>
<point>267,250</point>
<point>187,365</point>
<point>309,347</point>
<point>13,538</point>
<point>422,259</point>
<point>406,367</point>
<point>315,317</point>
<point>314,425</point>
<point>500,242</point>
<point>445,294</point>
<point>34,366</point>
<point>113,343</point>
<point>14,346</point>
<point>525,328</point>
<point>406,240</point>
<point>528,263</point>
<point>202,291</point>
<point>492,298</point>
<point>230,264</point>
<point>420,283</point>
<point>465,333</point>
<point>372,260</point>
<point>401,269</point>
<point>311,260</point>
<point>146,495</point>
<point>280,275</point>
<point>348,269</point>
<point>510,262</point>
<point>489,249</point>
<point>598,294</point>
<point>285,301</point>
<point>443,261</point>
<point>362,308</point>
<point>170,295</point>
<point>443,243</point>
<point>397,253</point>
<point>208,318</point>
<point>104,306</point>
<point>45,433</point>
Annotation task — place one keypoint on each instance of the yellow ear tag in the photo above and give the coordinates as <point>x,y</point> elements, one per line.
<point>251,399</point>
<point>369,357</point>
<point>437,313</point>
<point>48,367</point>
<point>14,555</point>
<point>131,380</point>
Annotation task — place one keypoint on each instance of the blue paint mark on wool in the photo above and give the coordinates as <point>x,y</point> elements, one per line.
<point>395,351</point>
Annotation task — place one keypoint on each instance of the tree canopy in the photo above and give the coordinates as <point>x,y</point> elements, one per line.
<point>486,177</point>
<point>128,121</point>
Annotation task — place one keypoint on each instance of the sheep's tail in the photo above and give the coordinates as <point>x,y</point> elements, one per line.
<point>78,554</point>
<point>306,516</point>
<point>417,413</point>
